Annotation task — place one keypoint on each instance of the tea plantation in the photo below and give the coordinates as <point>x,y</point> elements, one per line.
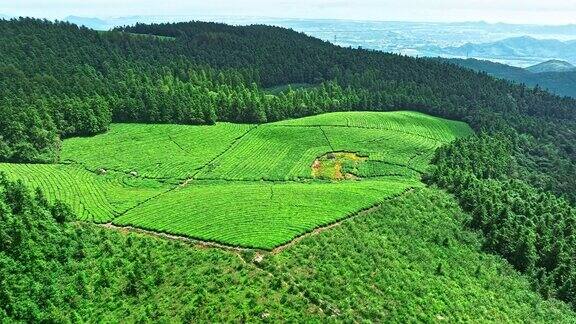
<point>241,185</point>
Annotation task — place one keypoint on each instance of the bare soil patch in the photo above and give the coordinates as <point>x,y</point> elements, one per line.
<point>337,166</point>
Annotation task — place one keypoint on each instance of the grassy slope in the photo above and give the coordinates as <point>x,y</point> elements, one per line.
<point>383,266</point>
<point>98,198</point>
<point>262,215</point>
<point>158,151</point>
<point>402,121</point>
<point>270,151</point>
<point>224,199</point>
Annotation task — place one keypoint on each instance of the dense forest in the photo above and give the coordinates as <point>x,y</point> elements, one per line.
<point>515,177</point>
<point>533,229</point>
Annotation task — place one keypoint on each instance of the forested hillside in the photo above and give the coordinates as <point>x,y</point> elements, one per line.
<point>201,72</point>
<point>56,271</point>
<point>58,80</point>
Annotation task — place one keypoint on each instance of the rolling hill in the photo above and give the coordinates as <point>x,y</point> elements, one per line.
<point>408,261</point>
<point>462,209</point>
<point>124,176</point>
<point>552,66</point>
<point>524,48</point>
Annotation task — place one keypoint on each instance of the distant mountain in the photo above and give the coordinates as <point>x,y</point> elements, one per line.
<point>94,23</point>
<point>518,45</point>
<point>492,68</point>
<point>527,48</point>
<point>552,66</point>
<point>111,22</point>
<point>561,83</point>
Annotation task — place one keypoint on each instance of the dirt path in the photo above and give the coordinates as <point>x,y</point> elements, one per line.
<point>200,243</point>
<point>319,230</point>
<point>326,137</point>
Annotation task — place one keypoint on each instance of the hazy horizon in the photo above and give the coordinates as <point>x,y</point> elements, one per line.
<point>200,16</point>
<point>511,12</point>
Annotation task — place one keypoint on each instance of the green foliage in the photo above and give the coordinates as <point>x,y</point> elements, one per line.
<point>207,169</point>
<point>259,214</point>
<point>212,72</point>
<point>270,153</point>
<point>533,230</point>
<point>286,150</point>
<point>406,122</point>
<point>378,267</point>
<point>153,151</point>
<point>384,266</point>
<point>58,80</point>
<point>91,196</point>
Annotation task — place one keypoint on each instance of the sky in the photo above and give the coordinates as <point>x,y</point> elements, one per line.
<point>552,12</point>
